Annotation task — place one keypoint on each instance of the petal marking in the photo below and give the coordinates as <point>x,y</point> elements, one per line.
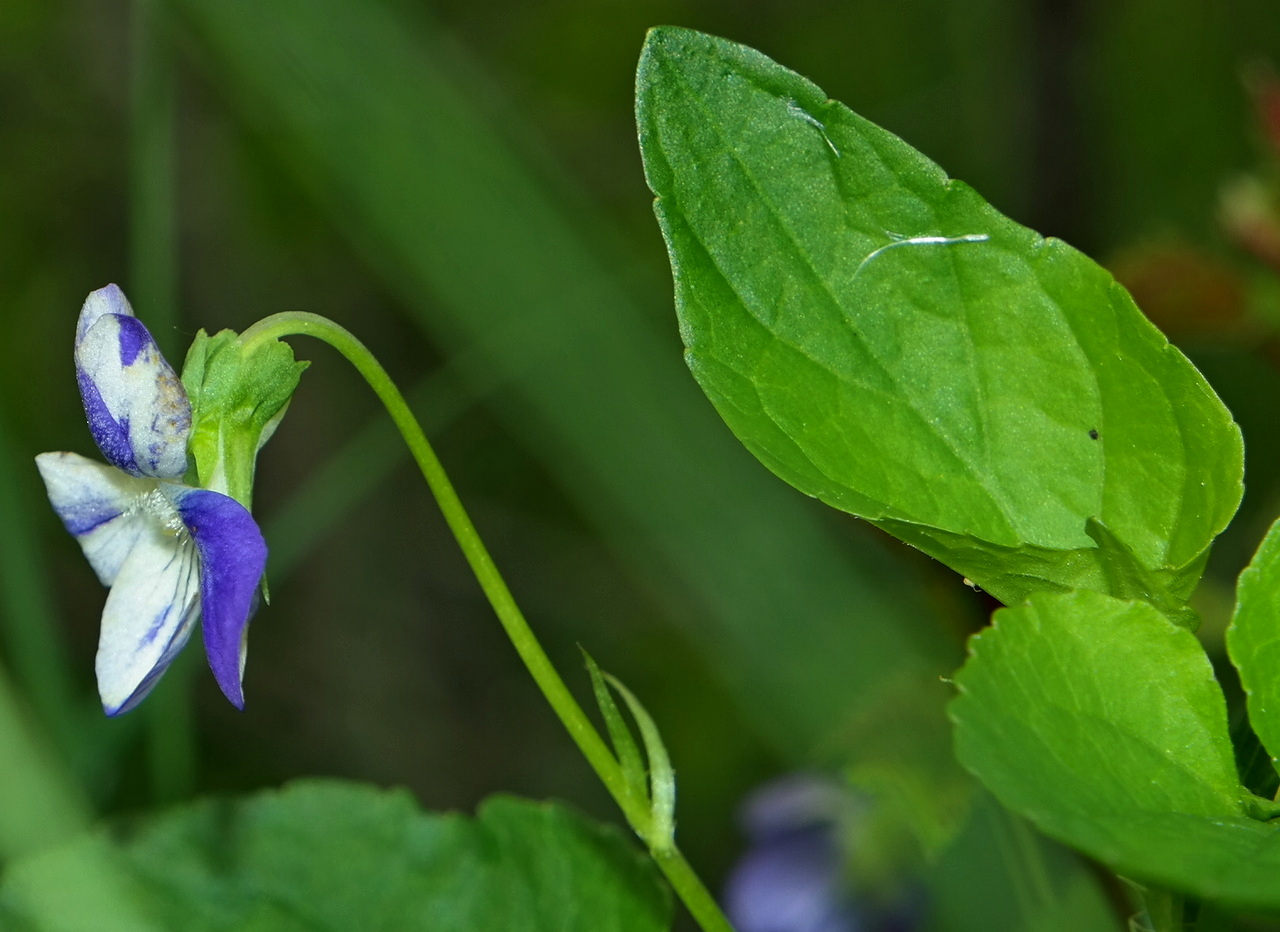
<point>148,616</point>
<point>136,406</point>
<point>99,505</point>
<point>111,435</point>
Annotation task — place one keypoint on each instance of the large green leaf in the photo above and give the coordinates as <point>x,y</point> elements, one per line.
<point>883,339</point>
<point>1101,721</point>
<point>325,855</point>
<point>1253,641</point>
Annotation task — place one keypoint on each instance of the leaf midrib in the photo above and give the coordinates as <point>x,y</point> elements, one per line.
<point>995,495</point>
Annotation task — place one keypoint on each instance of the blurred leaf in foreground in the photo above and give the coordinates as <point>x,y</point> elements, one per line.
<point>340,856</point>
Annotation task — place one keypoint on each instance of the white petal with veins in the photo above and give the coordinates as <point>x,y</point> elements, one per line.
<point>99,504</point>
<point>148,615</point>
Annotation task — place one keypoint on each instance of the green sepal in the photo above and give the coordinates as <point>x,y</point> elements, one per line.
<point>662,777</point>
<point>237,399</point>
<point>660,795</point>
<point>624,745</point>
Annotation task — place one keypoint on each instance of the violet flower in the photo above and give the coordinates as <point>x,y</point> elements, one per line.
<point>170,553</point>
<point>797,875</point>
<point>790,878</point>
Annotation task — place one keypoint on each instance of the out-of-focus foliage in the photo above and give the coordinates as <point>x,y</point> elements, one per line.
<point>331,855</point>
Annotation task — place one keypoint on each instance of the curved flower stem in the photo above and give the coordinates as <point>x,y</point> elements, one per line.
<point>688,886</point>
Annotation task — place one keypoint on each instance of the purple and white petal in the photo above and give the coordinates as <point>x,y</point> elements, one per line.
<point>149,612</point>
<point>101,506</point>
<point>233,556</point>
<point>137,408</point>
<point>107,300</point>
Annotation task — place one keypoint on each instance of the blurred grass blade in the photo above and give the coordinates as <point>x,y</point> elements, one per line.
<point>408,160</point>
<point>76,887</point>
<point>42,805</point>
<point>153,284</point>
<point>30,624</point>
<point>51,700</point>
<point>1001,874</point>
<point>171,744</point>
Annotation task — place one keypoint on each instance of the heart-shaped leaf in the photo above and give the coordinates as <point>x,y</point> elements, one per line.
<point>1101,721</point>
<point>324,855</point>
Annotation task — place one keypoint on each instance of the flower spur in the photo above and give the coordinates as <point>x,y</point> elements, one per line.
<point>170,553</point>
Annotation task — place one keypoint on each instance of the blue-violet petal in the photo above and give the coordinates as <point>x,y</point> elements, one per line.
<point>233,556</point>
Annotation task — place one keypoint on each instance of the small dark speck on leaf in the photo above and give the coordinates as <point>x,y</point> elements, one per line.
<point>1093,435</point>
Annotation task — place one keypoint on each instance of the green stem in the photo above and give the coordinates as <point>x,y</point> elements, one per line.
<point>692,891</point>
<point>688,886</point>
<point>27,617</point>
<point>154,281</point>
<point>1166,911</point>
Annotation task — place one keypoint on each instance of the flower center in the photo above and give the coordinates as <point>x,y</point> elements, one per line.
<point>156,506</point>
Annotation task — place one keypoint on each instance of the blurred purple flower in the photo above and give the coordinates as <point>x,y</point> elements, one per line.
<point>792,878</point>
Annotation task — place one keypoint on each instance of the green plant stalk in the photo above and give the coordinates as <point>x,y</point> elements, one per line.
<point>1166,911</point>
<point>43,802</point>
<point>171,746</point>
<point>686,883</point>
<point>28,624</point>
<point>152,227</point>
